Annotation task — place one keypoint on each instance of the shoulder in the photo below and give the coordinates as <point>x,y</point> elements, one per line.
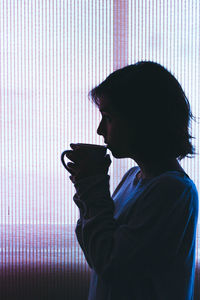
<point>175,179</point>
<point>176,186</point>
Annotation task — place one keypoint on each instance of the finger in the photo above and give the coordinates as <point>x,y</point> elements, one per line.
<point>71,168</point>
<point>72,179</point>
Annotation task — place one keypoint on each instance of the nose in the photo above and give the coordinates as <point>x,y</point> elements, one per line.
<point>100,130</point>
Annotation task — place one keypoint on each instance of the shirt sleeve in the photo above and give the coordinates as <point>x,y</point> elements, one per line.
<point>161,228</point>
<point>95,203</point>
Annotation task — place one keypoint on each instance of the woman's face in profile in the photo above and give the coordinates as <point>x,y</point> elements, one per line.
<point>115,130</point>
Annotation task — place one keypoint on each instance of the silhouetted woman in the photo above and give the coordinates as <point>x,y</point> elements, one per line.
<point>139,242</point>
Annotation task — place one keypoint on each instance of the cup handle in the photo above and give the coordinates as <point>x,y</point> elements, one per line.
<point>62,159</point>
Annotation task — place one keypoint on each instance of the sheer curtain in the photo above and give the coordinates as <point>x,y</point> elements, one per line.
<point>51,54</point>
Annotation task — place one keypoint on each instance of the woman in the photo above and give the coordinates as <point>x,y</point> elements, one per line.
<point>139,243</point>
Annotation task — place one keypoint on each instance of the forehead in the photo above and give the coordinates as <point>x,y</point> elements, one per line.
<point>104,105</point>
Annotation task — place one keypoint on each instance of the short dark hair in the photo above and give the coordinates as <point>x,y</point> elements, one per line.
<point>152,99</point>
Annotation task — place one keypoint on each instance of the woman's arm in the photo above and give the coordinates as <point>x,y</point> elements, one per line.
<point>162,228</point>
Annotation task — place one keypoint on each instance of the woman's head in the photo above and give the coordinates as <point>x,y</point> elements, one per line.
<point>150,99</point>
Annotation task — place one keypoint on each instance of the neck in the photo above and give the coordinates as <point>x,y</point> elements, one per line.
<point>155,168</point>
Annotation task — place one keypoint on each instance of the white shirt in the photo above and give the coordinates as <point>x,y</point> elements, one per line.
<point>140,243</point>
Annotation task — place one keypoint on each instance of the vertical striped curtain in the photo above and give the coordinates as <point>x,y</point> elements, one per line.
<point>51,54</point>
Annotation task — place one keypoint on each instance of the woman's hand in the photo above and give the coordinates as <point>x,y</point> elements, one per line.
<point>83,166</point>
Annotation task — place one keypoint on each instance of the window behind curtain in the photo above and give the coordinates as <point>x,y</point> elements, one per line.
<point>51,54</point>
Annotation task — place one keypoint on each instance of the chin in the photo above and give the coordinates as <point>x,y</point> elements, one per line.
<point>118,154</point>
